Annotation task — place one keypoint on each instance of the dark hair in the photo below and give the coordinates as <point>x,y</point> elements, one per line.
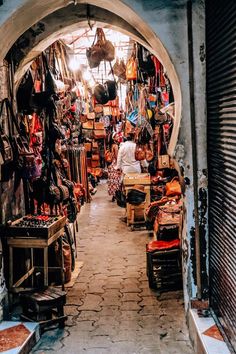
<point>130,136</point>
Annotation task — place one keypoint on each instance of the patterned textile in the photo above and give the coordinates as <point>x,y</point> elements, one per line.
<point>113,179</point>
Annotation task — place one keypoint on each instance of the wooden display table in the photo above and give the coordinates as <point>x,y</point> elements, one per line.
<point>32,243</point>
<point>136,213</point>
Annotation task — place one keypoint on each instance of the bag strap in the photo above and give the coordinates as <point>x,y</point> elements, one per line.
<point>10,116</point>
<point>174,179</point>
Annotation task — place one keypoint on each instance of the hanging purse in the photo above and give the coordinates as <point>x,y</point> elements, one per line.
<point>95,54</point>
<point>131,69</point>
<point>173,187</point>
<point>101,94</point>
<point>108,48</point>
<point>40,100</point>
<point>139,153</point>
<point>119,69</point>
<point>112,89</point>
<point>163,161</point>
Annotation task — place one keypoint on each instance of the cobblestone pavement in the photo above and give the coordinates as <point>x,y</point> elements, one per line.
<point>111,308</point>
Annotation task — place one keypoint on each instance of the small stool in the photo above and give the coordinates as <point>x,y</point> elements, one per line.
<point>136,215</point>
<point>42,305</point>
<point>164,265</point>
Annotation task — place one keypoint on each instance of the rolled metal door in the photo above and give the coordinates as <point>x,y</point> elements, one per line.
<point>221,102</point>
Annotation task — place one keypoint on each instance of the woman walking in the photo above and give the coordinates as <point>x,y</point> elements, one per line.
<point>113,174</point>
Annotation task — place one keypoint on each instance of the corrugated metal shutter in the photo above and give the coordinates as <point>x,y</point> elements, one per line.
<point>221,100</point>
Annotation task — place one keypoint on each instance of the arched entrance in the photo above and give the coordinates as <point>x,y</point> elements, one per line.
<point>124,17</point>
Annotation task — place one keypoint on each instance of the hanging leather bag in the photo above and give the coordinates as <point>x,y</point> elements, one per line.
<point>139,153</point>
<point>163,161</point>
<point>5,145</point>
<point>131,69</point>
<point>95,54</point>
<point>111,86</point>
<point>101,94</point>
<point>108,47</point>
<point>40,100</point>
<point>119,69</point>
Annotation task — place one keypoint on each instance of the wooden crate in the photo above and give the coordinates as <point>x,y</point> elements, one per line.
<point>131,179</point>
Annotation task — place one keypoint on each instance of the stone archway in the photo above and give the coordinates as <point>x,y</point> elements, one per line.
<point>22,14</point>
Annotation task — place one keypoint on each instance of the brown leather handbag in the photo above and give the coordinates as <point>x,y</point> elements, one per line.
<point>139,153</point>
<point>98,125</point>
<point>99,133</point>
<point>149,154</point>
<point>88,125</point>
<point>173,187</point>
<point>108,156</point>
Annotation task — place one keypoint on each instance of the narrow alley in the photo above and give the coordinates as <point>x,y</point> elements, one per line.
<point>110,307</point>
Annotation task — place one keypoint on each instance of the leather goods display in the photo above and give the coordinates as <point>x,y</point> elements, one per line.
<point>42,226</point>
<point>173,187</point>
<point>163,161</point>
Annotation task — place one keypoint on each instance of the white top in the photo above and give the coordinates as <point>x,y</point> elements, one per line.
<point>126,158</point>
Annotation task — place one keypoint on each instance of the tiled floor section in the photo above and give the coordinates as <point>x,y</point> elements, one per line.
<point>110,308</point>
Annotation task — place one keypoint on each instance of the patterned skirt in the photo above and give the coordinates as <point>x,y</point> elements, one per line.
<point>113,179</point>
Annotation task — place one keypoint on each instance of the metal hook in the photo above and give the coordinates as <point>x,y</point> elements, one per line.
<point>88,17</point>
